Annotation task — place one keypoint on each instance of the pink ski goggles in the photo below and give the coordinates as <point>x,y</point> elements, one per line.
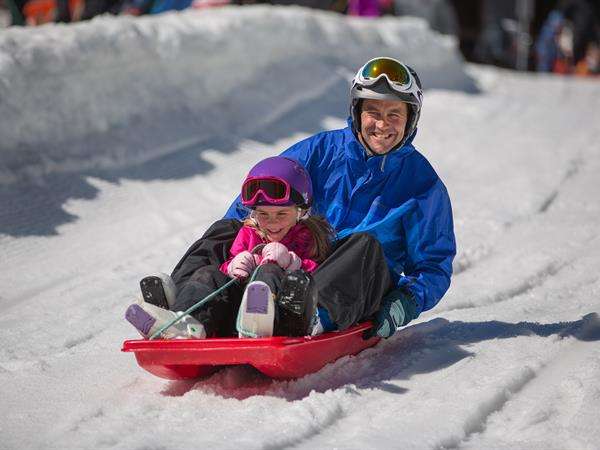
<point>274,191</point>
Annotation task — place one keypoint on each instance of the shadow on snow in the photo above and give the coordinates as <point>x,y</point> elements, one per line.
<point>419,349</point>
<point>34,205</point>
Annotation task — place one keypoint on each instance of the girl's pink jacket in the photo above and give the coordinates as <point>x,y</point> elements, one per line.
<point>298,240</point>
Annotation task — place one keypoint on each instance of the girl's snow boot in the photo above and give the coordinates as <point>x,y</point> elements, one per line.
<point>148,319</point>
<point>158,289</point>
<point>257,311</point>
<point>296,305</point>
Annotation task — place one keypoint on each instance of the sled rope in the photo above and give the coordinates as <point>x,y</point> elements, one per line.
<point>193,308</point>
<point>205,300</point>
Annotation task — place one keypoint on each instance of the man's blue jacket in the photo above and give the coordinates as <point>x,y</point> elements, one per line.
<point>398,198</point>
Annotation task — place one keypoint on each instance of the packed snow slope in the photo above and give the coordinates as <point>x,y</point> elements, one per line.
<point>122,140</point>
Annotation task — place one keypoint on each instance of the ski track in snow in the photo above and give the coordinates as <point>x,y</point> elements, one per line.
<point>477,422</point>
<point>555,370</point>
<point>508,359</point>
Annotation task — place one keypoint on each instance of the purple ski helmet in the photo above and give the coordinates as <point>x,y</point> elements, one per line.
<point>277,181</point>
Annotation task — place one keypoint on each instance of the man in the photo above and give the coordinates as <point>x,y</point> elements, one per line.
<point>368,178</point>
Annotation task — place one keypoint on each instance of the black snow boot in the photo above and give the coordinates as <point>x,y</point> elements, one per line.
<point>296,305</point>
<point>158,290</point>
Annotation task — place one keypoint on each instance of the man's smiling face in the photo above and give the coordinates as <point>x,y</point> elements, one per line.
<point>382,124</point>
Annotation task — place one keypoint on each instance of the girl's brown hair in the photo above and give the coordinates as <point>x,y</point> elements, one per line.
<point>320,229</point>
<point>323,235</point>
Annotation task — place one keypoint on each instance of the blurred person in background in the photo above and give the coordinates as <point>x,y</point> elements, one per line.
<point>16,11</point>
<point>370,8</point>
<point>546,44</point>
<point>582,18</point>
<point>141,7</point>
<point>63,13</point>
<point>93,8</point>
<point>439,14</point>
<point>364,8</point>
<point>495,42</point>
<point>569,39</point>
<point>590,64</point>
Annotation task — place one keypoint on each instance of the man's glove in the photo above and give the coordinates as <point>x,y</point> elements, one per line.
<point>397,309</point>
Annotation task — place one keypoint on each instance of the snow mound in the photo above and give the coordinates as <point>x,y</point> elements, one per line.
<point>113,92</point>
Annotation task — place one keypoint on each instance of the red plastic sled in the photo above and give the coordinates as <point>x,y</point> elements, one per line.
<point>277,357</point>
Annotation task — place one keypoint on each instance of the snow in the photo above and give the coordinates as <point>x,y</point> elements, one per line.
<point>123,139</point>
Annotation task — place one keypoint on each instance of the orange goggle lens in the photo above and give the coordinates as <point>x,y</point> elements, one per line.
<point>394,71</point>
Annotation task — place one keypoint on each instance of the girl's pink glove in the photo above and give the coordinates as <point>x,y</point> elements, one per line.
<point>278,253</point>
<point>295,262</point>
<point>242,265</point>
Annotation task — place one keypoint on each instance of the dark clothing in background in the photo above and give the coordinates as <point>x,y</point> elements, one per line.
<point>16,11</point>
<point>584,16</point>
<point>63,13</point>
<point>96,7</point>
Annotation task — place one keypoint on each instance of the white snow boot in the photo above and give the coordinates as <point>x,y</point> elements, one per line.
<point>148,319</point>
<point>257,311</point>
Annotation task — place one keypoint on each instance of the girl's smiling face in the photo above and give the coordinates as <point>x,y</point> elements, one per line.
<point>276,221</point>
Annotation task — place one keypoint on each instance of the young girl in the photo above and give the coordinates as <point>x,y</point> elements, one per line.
<point>278,245</point>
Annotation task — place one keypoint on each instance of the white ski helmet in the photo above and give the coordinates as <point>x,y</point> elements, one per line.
<point>387,79</point>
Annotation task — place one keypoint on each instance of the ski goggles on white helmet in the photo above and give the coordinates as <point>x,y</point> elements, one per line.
<point>399,77</point>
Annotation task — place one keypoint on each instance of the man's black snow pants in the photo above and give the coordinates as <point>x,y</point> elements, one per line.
<point>350,283</point>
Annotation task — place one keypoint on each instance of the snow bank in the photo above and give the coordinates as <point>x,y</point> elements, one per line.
<point>113,92</point>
